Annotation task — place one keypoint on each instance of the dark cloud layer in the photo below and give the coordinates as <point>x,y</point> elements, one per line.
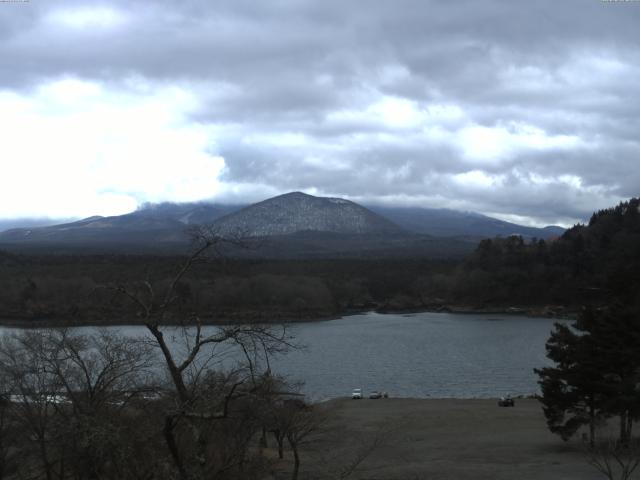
<point>516,108</point>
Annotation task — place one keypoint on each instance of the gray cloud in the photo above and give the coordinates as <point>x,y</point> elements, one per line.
<point>514,108</point>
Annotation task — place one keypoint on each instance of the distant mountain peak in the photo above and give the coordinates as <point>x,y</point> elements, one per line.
<point>299,212</point>
<point>293,194</point>
<point>306,196</point>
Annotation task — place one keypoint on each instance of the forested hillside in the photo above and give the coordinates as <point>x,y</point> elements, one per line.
<point>588,264</point>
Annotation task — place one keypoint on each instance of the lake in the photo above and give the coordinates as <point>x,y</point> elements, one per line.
<point>418,355</point>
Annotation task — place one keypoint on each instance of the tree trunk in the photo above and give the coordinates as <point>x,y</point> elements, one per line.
<point>296,461</point>
<point>280,441</point>
<point>280,448</point>
<point>592,425</point>
<point>263,438</point>
<point>173,447</point>
<point>45,459</point>
<point>624,428</point>
<point>176,374</point>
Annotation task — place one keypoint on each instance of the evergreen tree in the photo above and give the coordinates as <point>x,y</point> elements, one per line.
<point>596,372</point>
<point>571,391</point>
<point>616,334</point>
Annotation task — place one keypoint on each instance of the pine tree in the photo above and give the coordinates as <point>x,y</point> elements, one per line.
<point>596,372</point>
<point>571,391</point>
<point>616,334</point>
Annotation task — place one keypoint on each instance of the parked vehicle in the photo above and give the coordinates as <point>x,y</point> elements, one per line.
<point>375,395</point>
<point>506,402</point>
<point>356,394</point>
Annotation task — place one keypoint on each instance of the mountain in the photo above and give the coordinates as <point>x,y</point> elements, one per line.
<point>298,212</point>
<point>452,223</point>
<point>185,213</point>
<point>152,224</point>
<point>166,222</point>
<point>7,224</point>
<point>296,224</point>
<point>98,230</point>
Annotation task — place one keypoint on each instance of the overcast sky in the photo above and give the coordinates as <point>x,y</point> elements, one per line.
<point>524,110</point>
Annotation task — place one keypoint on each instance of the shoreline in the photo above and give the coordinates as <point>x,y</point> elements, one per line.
<point>558,313</point>
<point>481,400</point>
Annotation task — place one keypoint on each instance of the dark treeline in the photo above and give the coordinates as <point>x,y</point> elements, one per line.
<point>588,264</point>
<point>71,288</point>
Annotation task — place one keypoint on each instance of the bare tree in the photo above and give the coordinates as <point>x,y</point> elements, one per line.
<point>277,396</point>
<point>99,375</point>
<point>68,392</point>
<point>95,371</point>
<point>297,421</point>
<point>344,462</point>
<point>364,451</point>
<point>616,461</point>
<point>196,400</point>
<point>33,387</point>
<point>8,432</point>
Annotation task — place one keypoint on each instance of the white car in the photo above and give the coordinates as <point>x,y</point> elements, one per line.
<point>356,394</point>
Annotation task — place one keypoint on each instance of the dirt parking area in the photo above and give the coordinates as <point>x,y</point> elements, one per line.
<point>441,439</point>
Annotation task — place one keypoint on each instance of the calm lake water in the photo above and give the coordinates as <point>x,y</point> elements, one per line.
<point>420,355</point>
<point>417,355</point>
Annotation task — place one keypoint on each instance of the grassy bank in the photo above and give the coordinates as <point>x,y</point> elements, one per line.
<point>441,439</point>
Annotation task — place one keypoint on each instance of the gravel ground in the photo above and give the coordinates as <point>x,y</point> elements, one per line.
<point>440,439</point>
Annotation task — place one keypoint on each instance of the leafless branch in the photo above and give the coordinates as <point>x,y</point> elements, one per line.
<point>613,460</point>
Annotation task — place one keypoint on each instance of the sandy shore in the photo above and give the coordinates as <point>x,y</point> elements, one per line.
<point>441,439</point>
